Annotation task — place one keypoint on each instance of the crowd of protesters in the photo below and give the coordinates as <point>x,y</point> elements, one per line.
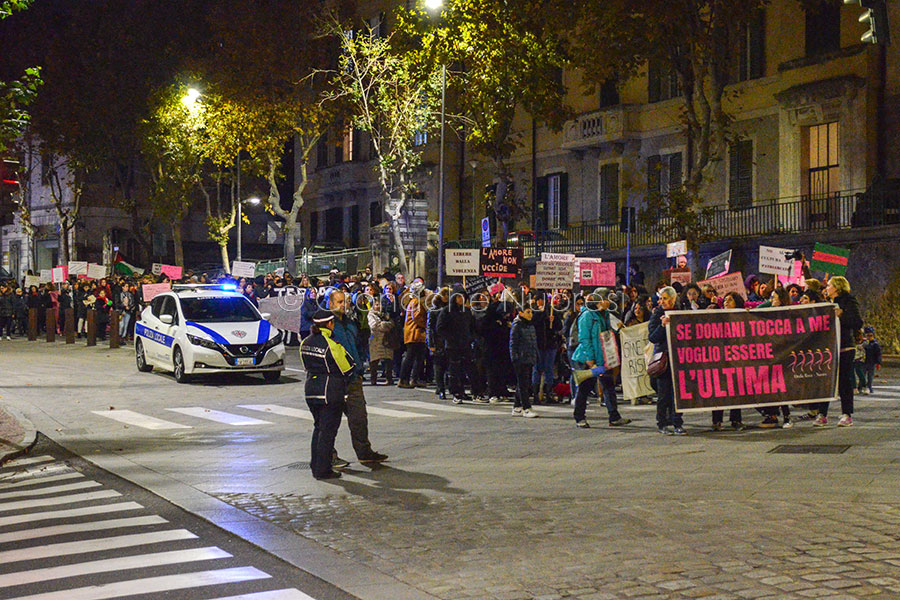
<point>507,344</point>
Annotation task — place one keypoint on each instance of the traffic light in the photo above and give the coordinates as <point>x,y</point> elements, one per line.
<point>876,16</point>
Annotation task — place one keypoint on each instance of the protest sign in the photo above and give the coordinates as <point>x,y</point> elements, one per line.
<point>60,274</point>
<point>682,277</point>
<point>476,284</point>
<point>777,261</point>
<point>501,262</point>
<point>676,249</point>
<point>156,268</point>
<point>635,381</point>
<point>170,271</point>
<point>557,257</point>
<point>830,259</point>
<point>243,269</point>
<point>583,261</point>
<point>283,312</point>
<point>718,265</point>
<point>46,275</point>
<point>553,275</point>
<point>32,280</point>
<point>463,263</point>
<point>594,274</point>
<point>733,282</point>
<point>740,359</point>
<point>796,276</point>
<point>610,350</point>
<point>152,290</point>
<point>279,272</point>
<point>77,267</point>
<point>95,271</point>
<point>486,232</point>
<point>497,288</point>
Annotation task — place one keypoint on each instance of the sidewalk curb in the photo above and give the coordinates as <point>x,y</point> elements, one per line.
<point>28,440</point>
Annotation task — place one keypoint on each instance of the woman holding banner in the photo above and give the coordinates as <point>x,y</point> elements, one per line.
<point>665,404</point>
<point>838,290</point>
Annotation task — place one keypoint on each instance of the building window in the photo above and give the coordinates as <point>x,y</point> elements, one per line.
<point>663,174</point>
<point>350,144</point>
<point>376,215</point>
<point>609,193</point>
<point>420,138</point>
<point>824,177</point>
<point>334,224</point>
<point>740,174</point>
<point>322,152</point>
<point>753,48</point>
<point>553,200</point>
<point>823,28</point>
<point>662,82</point>
<point>609,93</point>
<point>354,226</point>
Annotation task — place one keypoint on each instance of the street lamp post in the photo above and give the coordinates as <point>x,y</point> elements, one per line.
<point>436,6</point>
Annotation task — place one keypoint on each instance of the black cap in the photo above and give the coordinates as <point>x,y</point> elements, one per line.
<point>322,317</point>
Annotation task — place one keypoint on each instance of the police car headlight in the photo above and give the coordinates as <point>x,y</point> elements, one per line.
<point>273,341</point>
<point>198,341</point>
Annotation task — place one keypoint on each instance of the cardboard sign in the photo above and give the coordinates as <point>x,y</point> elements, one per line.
<point>583,261</point>
<point>95,271</point>
<point>723,359</point>
<point>733,282</point>
<point>486,232</point>
<point>152,290</point>
<point>830,259</point>
<point>598,274</point>
<point>610,350</point>
<point>464,263</point>
<point>32,280</point>
<point>682,277</point>
<point>501,262</point>
<point>553,275</point>
<point>60,274</point>
<point>776,261</point>
<point>46,276</point>
<point>557,257</point>
<point>243,269</point>
<point>476,284</point>
<point>635,381</point>
<point>718,265</point>
<point>170,271</point>
<point>156,269</point>
<point>676,249</point>
<point>77,267</point>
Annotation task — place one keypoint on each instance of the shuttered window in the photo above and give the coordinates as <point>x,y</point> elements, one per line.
<point>753,48</point>
<point>609,193</point>
<point>740,174</point>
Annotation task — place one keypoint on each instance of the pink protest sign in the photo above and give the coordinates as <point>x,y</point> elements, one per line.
<point>733,282</point>
<point>152,290</point>
<point>796,275</point>
<point>598,274</point>
<point>170,271</point>
<point>496,288</point>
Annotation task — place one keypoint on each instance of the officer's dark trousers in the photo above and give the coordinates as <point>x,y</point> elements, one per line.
<point>327,419</point>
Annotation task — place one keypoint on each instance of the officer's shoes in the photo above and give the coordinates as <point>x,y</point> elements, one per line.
<point>331,475</point>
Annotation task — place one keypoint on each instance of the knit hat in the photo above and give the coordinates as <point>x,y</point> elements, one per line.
<point>322,317</point>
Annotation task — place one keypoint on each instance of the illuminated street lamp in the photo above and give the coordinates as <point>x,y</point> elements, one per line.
<point>190,98</point>
<point>253,202</point>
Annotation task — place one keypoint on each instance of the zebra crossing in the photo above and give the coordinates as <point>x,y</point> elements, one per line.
<point>58,542</point>
<point>197,415</point>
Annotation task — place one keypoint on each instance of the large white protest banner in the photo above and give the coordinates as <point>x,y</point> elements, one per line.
<point>283,312</point>
<point>635,381</point>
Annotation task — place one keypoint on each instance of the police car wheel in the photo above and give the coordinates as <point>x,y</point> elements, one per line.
<point>140,358</point>
<point>272,376</point>
<point>178,367</point>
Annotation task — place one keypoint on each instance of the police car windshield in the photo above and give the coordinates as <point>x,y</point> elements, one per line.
<point>218,310</point>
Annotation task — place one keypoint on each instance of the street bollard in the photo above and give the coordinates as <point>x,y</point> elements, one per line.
<point>51,325</point>
<point>69,324</point>
<point>114,341</point>
<point>92,327</point>
<point>32,324</point>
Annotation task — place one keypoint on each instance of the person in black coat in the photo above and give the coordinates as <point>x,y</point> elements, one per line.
<point>666,417</point>
<point>523,353</point>
<point>20,311</point>
<point>456,326</point>
<point>6,311</point>
<point>838,290</point>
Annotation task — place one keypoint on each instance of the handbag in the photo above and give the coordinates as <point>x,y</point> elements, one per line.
<point>658,364</point>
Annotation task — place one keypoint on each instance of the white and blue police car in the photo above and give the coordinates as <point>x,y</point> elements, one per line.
<point>198,329</point>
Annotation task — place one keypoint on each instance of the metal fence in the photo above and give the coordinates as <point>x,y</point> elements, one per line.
<point>318,264</point>
<point>767,218</point>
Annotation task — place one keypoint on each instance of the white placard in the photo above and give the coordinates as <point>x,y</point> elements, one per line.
<point>46,275</point>
<point>676,249</point>
<point>77,267</point>
<point>156,269</point>
<point>95,271</point>
<point>557,257</point>
<point>32,280</point>
<point>551,275</point>
<point>776,261</point>
<point>243,269</point>
<point>463,263</point>
<point>59,274</point>
<point>635,382</point>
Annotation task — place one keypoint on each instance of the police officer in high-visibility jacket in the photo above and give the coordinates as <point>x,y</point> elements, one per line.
<point>328,367</point>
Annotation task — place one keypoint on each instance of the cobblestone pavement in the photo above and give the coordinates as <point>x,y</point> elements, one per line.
<point>522,548</point>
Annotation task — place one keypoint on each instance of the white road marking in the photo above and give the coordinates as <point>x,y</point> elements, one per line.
<point>56,489</point>
<point>84,546</point>
<point>288,594</point>
<point>38,470</point>
<point>31,534</point>
<point>99,509</point>
<point>387,412</point>
<point>218,416</point>
<point>142,561</point>
<point>153,585</point>
<point>441,408</point>
<point>21,462</point>
<point>132,418</point>
<point>90,496</point>
<point>295,370</point>
<point>21,482</point>
<point>286,411</point>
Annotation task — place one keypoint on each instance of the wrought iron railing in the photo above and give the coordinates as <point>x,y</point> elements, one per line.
<point>766,218</point>
<point>317,264</point>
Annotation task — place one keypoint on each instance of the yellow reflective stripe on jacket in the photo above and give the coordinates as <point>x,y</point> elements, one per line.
<point>338,352</point>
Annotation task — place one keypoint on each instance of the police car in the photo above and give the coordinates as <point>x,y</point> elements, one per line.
<point>197,329</point>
